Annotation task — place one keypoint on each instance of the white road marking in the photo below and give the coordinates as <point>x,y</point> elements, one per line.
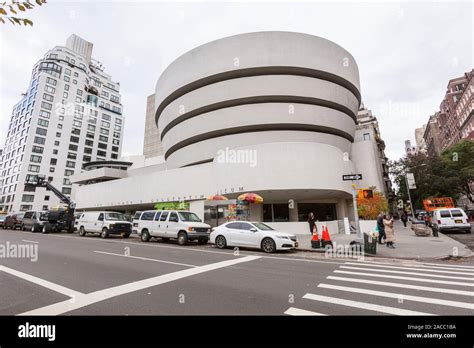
<point>298,311</point>
<point>101,295</point>
<point>423,265</point>
<point>442,302</point>
<point>404,286</point>
<point>29,241</point>
<point>145,258</point>
<point>408,273</point>
<point>41,282</point>
<point>363,305</point>
<point>448,266</point>
<point>410,268</point>
<point>406,278</point>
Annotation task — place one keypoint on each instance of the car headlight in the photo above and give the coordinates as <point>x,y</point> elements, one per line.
<point>283,237</point>
<point>190,229</point>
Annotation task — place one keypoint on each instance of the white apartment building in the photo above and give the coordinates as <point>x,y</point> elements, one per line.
<point>70,114</point>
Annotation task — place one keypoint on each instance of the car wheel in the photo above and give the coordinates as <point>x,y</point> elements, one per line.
<point>105,233</point>
<point>82,231</point>
<point>33,229</point>
<point>23,228</point>
<point>182,238</point>
<point>268,245</point>
<point>46,228</point>
<point>221,243</point>
<point>145,236</point>
<point>202,241</point>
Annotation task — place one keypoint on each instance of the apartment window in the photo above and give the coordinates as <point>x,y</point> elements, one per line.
<point>50,89</point>
<point>104,131</point>
<point>118,121</point>
<point>88,150</point>
<point>56,143</point>
<point>51,169</point>
<point>73,147</point>
<point>41,131</point>
<point>76,74</point>
<point>37,149</point>
<point>58,134</point>
<point>366,136</point>
<point>35,159</point>
<point>28,198</point>
<point>66,181</point>
<point>79,92</point>
<point>53,161</point>
<point>43,123</point>
<point>102,146</point>
<point>115,141</point>
<point>115,148</point>
<point>46,106</point>
<point>76,131</point>
<point>55,152</point>
<point>117,127</point>
<point>39,140</point>
<point>114,156</point>
<point>51,81</point>
<point>86,158</point>
<point>101,153</point>
<point>66,190</point>
<point>105,94</point>
<point>91,127</point>
<point>89,142</point>
<point>44,114</point>
<point>46,198</point>
<point>76,123</point>
<point>74,81</point>
<point>71,155</point>
<point>92,120</point>
<point>67,79</point>
<point>65,94</point>
<point>74,139</point>
<point>68,172</point>
<point>105,124</point>
<point>106,117</point>
<point>66,87</point>
<point>60,126</point>
<point>67,71</point>
<point>103,138</point>
<point>114,98</point>
<point>70,164</point>
<point>33,168</point>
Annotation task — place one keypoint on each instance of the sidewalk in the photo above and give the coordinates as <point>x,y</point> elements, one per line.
<point>407,245</point>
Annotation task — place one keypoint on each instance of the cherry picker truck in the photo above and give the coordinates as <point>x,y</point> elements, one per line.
<point>55,220</point>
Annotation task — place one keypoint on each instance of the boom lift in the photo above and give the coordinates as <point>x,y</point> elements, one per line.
<point>55,220</point>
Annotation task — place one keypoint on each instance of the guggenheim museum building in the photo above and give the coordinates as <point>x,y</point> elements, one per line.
<point>274,113</point>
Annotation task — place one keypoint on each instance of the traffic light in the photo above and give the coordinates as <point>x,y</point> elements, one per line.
<point>367,193</point>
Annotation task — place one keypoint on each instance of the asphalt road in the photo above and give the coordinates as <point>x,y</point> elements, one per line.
<point>464,238</point>
<point>90,276</point>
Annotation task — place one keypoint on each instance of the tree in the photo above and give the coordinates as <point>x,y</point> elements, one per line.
<point>459,167</point>
<point>8,11</point>
<point>369,208</point>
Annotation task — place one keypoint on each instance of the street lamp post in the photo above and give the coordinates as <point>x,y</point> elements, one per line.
<point>409,197</point>
<point>359,238</point>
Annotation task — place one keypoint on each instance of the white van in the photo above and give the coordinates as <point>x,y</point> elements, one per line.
<point>172,224</point>
<point>450,219</point>
<point>103,222</point>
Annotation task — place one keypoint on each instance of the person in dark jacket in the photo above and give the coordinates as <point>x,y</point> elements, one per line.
<point>404,218</point>
<point>312,223</point>
<point>381,227</point>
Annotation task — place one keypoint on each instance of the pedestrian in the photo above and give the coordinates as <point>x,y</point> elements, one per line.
<point>388,223</point>
<point>312,223</point>
<point>427,219</point>
<point>404,218</point>
<point>381,227</point>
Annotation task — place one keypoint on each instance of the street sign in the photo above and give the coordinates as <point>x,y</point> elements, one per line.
<point>411,181</point>
<point>352,177</point>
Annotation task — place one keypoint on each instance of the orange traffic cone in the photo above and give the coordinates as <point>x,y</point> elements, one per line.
<point>326,238</point>
<point>315,242</point>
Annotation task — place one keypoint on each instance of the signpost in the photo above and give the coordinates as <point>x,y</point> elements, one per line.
<point>410,181</point>
<point>354,177</point>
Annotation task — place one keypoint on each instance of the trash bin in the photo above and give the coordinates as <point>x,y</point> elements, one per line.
<point>370,244</point>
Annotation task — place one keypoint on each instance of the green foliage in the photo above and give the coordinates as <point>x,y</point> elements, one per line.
<point>9,10</point>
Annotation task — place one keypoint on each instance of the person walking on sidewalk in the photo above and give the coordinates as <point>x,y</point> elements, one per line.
<point>404,218</point>
<point>388,223</point>
<point>381,227</point>
<point>312,223</point>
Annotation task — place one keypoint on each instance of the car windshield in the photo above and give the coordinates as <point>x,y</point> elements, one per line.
<point>187,216</point>
<point>263,227</point>
<point>44,216</point>
<point>114,216</point>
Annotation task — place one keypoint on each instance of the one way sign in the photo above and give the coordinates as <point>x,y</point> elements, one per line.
<point>352,177</point>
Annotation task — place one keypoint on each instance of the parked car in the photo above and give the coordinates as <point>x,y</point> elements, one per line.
<point>171,224</point>
<point>103,222</point>
<point>32,221</point>
<point>252,235</point>
<point>135,220</point>
<point>450,219</point>
<point>2,219</point>
<point>13,221</point>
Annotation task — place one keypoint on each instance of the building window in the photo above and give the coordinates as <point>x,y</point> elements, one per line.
<point>67,79</point>
<point>88,150</point>
<point>48,97</point>
<point>366,136</point>
<point>51,81</point>
<point>66,190</point>
<point>55,152</point>
<point>68,172</point>
<point>56,143</point>
<point>70,164</point>
<point>114,156</point>
<point>45,207</point>
<point>101,153</point>
<point>103,138</point>
<point>26,207</point>
<point>76,123</point>
<point>33,168</point>
<point>46,106</point>
<point>89,142</point>
<point>35,159</point>
<point>51,169</point>
<point>58,135</point>
<point>74,139</point>
<point>276,212</point>
<point>43,123</point>
<point>44,114</point>
<point>102,146</point>
<point>322,211</point>
<point>76,131</point>
<point>66,181</point>
<point>86,158</point>
<point>37,149</point>
<point>53,161</point>
<point>46,198</point>
<point>106,117</point>
<point>41,131</point>
<point>73,147</point>
<point>39,140</point>
<point>91,127</point>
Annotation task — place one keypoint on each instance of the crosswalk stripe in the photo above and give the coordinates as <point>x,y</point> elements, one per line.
<point>298,311</point>
<point>408,273</point>
<point>448,266</point>
<point>424,265</point>
<point>410,268</point>
<point>406,278</point>
<point>363,305</point>
<point>404,286</point>
<point>437,301</point>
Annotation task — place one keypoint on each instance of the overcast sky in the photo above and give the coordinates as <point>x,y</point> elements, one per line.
<point>406,52</point>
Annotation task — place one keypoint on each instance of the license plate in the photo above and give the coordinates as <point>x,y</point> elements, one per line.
<point>458,221</point>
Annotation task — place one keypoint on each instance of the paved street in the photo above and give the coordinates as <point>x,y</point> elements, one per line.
<point>464,238</point>
<point>84,276</point>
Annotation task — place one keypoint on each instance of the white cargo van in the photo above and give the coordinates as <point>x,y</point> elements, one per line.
<point>450,219</point>
<point>172,224</point>
<point>103,222</point>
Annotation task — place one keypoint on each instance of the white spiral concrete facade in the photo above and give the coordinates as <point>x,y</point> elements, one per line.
<point>256,88</point>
